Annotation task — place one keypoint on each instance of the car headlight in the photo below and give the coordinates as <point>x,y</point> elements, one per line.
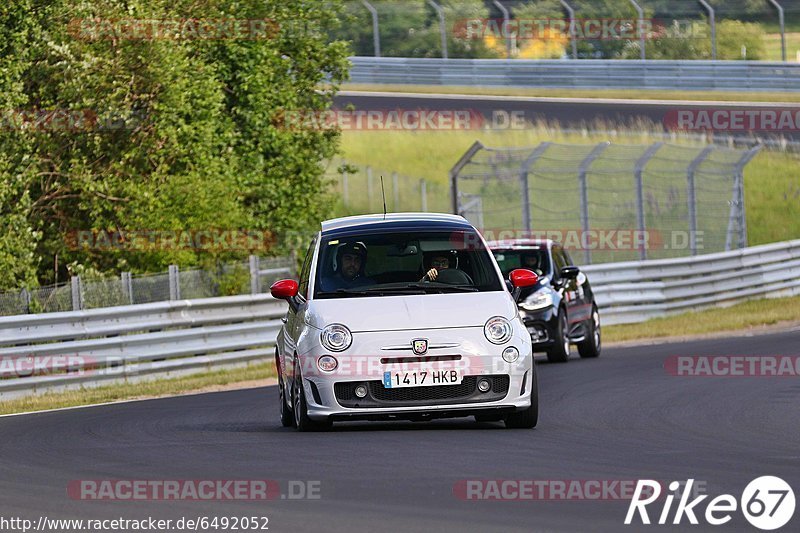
<point>336,337</point>
<point>538,300</point>
<point>498,330</point>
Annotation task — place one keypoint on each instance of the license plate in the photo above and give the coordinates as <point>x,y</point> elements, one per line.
<point>422,378</point>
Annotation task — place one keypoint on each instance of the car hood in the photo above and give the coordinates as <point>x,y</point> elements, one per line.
<point>431,311</point>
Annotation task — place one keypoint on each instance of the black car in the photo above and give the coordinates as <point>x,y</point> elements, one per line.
<point>560,309</point>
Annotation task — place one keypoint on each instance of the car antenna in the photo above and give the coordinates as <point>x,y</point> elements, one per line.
<point>383,193</point>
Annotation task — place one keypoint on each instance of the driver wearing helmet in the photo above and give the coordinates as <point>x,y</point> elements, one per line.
<point>351,258</point>
<point>532,262</point>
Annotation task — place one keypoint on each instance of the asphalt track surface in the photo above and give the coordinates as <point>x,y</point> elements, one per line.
<point>620,417</point>
<point>575,113</point>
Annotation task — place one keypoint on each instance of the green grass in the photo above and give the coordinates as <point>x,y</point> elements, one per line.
<point>772,43</point>
<point>144,389</point>
<point>736,318</point>
<point>637,94</point>
<point>772,179</point>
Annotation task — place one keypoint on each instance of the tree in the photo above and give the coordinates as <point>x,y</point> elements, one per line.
<point>181,133</point>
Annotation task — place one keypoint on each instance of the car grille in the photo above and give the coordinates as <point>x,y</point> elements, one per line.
<point>379,396</point>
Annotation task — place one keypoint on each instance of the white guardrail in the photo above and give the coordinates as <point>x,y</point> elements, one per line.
<point>701,75</point>
<point>130,343</point>
<point>639,290</point>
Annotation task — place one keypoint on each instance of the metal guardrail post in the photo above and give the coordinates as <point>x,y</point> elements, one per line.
<point>174,283</point>
<point>638,170</point>
<point>25,295</point>
<point>572,36</point>
<point>713,21</point>
<point>746,158</point>
<point>641,27</point>
<point>584,167</point>
<point>77,300</point>
<point>376,35</point>
<point>523,180</point>
<point>782,25</point>
<point>691,197</point>
<point>423,190</point>
<point>506,19</point>
<point>442,28</point>
<point>255,276</point>
<point>476,147</point>
<point>127,286</point>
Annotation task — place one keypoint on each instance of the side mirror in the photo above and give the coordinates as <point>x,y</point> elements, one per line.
<point>284,289</point>
<point>521,278</point>
<point>570,272</point>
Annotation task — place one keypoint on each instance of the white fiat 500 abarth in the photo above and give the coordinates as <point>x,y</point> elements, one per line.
<point>403,316</point>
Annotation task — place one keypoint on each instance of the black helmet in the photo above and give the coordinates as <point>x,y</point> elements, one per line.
<point>355,248</point>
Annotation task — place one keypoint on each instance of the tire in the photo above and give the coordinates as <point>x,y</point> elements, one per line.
<point>287,417</point>
<point>300,410</point>
<point>528,418</point>
<point>559,352</point>
<point>593,343</point>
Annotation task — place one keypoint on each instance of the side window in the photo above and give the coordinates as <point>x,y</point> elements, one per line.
<point>558,261</point>
<point>306,271</point>
<point>567,259</point>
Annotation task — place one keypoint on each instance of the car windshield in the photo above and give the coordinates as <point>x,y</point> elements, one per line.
<point>386,264</point>
<point>535,259</point>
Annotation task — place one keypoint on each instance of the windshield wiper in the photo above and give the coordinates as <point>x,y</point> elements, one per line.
<point>343,292</point>
<point>441,287</point>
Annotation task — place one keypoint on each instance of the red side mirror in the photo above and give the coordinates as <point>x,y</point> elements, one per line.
<point>284,289</point>
<point>523,277</point>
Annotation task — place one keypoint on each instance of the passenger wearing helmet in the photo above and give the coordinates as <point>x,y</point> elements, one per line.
<point>351,259</point>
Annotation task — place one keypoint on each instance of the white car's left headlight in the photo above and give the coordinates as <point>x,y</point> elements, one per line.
<point>540,299</point>
<point>336,337</point>
<point>498,330</point>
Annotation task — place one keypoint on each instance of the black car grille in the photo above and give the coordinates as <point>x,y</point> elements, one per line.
<point>379,396</point>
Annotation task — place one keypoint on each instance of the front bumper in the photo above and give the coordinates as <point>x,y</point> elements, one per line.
<point>330,395</point>
<point>541,325</point>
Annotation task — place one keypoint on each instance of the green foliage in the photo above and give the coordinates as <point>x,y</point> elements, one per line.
<point>733,34</point>
<point>195,140</point>
<point>410,28</point>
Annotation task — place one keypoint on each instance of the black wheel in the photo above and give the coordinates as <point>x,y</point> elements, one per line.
<point>287,417</point>
<point>559,352</point>
<point>590,347</point>
<point>528,418</point>
<point>301,420</point>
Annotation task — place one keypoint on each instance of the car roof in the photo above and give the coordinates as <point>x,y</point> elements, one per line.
<point>395,222</point>
<point>520,244</point>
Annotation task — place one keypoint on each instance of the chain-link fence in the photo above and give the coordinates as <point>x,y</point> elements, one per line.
<point>607,202</point>
<point>244,277</point>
